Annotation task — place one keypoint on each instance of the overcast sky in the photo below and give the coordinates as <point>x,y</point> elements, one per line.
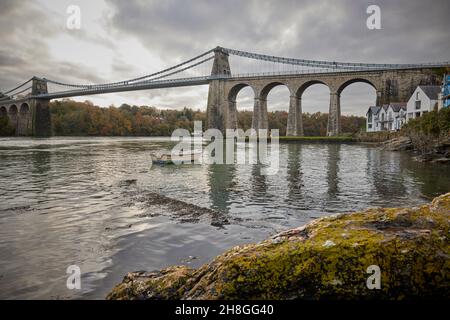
<point>120,39</point>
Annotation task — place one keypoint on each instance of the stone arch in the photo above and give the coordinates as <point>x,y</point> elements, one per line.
<point>361,80</point>
<point>232,94</point>
<point>298,101</point>
<point>346,83</point>
<point>232,103</point>
<point>263,109</point>
<point>24,109</point>
<point>3,111</point>
<point>301,89</point>
<point>13,110</point>
<point>334,114</point>
<point>23,120</point>
<point>268,87</point>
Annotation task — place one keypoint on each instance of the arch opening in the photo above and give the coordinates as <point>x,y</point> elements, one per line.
<point>24,108</point>
<point>3,112</point>
<point>241,102</point>
<point>355,80</point>
<point>315,102</point>
<point>356,97</point>
<point>307,85</point>
<point>13,110</point>
<point>276,96</point>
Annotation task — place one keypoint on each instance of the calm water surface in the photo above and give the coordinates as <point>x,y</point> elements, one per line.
<point>91,202</point>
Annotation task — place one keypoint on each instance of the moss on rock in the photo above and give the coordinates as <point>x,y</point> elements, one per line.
<point>325,259</point>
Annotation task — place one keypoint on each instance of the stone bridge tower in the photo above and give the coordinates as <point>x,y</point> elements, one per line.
<point>27,115</point>
<point>41,118</point>
<point>217,113</point>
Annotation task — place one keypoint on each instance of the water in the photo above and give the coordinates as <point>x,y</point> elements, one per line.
<point>93,202</point>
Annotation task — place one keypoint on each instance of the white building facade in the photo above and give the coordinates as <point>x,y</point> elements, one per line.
<point>390,117</point>
<point>372,123</point>
<point>424,99</point>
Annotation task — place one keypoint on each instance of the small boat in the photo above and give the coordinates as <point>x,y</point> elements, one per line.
<point>163,158</point>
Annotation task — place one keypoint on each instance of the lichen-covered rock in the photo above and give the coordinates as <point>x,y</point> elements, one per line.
<point>164,284</point>
<point>325,259</point>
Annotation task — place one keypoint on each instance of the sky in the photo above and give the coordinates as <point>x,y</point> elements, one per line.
<point>119,40</point>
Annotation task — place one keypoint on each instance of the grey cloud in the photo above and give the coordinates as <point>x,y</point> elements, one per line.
<point>412,31</point>
<point>332,30</point>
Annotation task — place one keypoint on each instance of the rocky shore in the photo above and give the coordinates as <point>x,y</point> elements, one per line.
<point>435,151</point>
<point>325,259</point>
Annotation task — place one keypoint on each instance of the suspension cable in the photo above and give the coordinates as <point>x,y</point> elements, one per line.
<point>326,64</point>
<point>18,87</point>
<point>181,70</point>
<point>131,80</point>
<point>26,89</point>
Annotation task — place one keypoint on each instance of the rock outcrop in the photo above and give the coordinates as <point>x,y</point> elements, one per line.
<point>398,144</point>
<point>325,259</point>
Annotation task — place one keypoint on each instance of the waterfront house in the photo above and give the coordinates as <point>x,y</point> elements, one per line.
<point>424,99</point>
<point>399,115</point>
<point>389,117</point>
<point>372,124</point>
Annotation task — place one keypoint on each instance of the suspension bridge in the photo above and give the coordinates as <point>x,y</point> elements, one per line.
<point>27,105</point>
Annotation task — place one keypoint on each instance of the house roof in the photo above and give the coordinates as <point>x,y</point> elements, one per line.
<point>431,91</point>
<point>374,109</point>
<point>396,106</point>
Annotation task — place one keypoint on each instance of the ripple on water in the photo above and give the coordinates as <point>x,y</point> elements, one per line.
<point>94,202</point>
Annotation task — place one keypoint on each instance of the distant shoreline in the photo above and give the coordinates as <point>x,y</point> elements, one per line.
<point>282,139</point>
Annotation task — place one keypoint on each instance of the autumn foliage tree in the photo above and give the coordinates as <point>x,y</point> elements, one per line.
<point>71,118</point>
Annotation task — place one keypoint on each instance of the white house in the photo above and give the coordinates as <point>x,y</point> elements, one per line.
<point>399,114</point>
<point>372,124</point>
<point>423,100</point>
<point>389,117</point>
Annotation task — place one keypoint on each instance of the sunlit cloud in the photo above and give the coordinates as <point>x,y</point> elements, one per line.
<point>120,40</point>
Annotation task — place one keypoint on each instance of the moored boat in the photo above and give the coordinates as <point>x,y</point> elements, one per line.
<point>167,158</point>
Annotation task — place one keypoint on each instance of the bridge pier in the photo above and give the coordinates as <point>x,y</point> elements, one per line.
<point>260,117</point>
<point>41,118</point>
<point>42,125</point>
<point>334,115</point>
<point>232,115</point>
<point>295,120</point>
<point>218,112</point>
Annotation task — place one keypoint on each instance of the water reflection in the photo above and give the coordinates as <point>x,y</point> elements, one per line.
<point>221,182</point>
<point>333,159</point>
<point>85,201</point>
<point>385,172</point>
<point>294,172</point>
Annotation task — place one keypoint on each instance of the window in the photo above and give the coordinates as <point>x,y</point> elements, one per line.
<point>370,126</point>
<point>417,95</point>
<point>418,104</point>
<point>369,117</point>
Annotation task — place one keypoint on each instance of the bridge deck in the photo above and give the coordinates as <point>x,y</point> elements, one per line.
<point>194,81</point>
